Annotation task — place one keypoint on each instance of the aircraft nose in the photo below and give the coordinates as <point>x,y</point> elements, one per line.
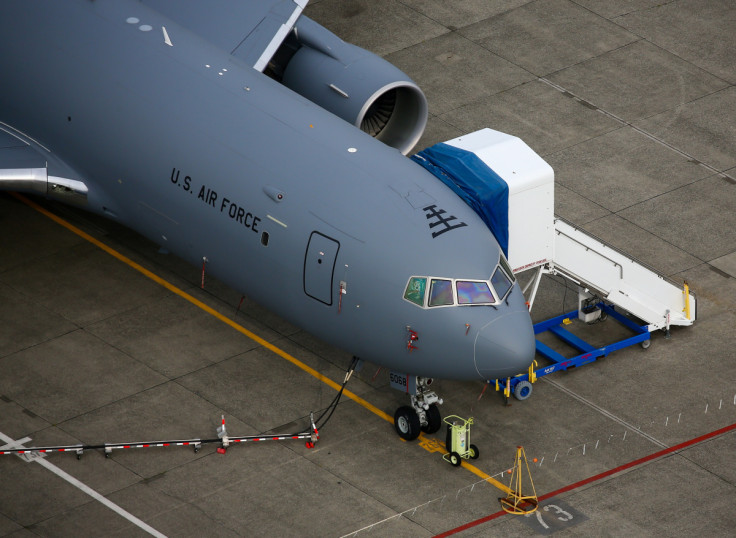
<point>505,347</point>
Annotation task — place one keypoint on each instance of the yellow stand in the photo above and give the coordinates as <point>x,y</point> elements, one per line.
<point>515,502</point>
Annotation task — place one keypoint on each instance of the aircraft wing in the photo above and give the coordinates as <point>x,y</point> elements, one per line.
<point>26,165</point>
<point>15,153</point>
<point>252,30</point>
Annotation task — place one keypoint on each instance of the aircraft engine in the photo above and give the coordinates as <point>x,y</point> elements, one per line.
<point>354,84</point>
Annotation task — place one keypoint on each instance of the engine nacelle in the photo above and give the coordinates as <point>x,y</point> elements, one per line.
<point>356,85</point>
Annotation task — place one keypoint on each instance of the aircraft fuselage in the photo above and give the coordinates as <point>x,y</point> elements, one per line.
<point>289,204</point>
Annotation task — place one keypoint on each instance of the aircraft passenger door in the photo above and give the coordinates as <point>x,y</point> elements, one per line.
<point>319,267</point>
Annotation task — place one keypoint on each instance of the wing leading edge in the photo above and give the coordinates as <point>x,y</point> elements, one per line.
<point>252,30</point>
<point>25,165</point>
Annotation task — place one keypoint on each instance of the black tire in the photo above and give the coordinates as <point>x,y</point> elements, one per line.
<point>473,452</point>
<point>455,459</point>
<point>522,390</point>
<point>406,423</point>
<point>434,420</point>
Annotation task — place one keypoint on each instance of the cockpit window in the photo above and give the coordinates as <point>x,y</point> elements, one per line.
<point>501,282</point>
<point>507,268</point>
<point>428,291</point>
<point>440,293</point>
<point>415,290</point>
<point>473,293</point>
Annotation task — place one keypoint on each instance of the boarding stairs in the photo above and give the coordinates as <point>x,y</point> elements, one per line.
<point>619,279</point>
<point>539,240</point>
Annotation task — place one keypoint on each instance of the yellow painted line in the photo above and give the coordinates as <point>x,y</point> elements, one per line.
<point>431,444</point>
<point>268,345</point>
<point>184,295</point>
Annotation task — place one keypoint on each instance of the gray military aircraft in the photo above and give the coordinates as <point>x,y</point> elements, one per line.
<point>243,134</point>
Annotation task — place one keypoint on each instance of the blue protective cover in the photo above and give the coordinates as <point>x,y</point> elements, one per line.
<point>475,182</point>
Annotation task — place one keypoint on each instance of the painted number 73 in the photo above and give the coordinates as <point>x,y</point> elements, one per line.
<point>561,514</point>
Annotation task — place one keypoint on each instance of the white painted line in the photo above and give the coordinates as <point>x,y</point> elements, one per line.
<point>604,412</point>
<point>18,443</point>
<point>15,443</point>
<point>89,491</point>
<point>711,169</point>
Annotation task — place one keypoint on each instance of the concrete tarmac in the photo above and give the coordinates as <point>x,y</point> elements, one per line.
<point>632,102</point>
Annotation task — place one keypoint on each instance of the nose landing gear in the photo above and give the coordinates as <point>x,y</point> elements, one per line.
<point>423,415</point>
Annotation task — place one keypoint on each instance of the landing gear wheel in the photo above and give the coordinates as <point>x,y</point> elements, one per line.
<point>455,459</point>
<point>523,390</point>
<point>406,422</point>
<point>434,420</point>
<point>473,452</point>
